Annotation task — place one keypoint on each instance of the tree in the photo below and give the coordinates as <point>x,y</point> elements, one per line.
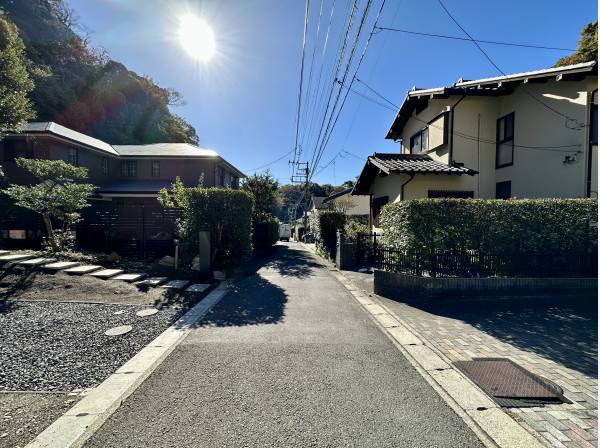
<point>587,47</point>
<point>58,195</point>
<point>263,187</point>
<point>15,80</point>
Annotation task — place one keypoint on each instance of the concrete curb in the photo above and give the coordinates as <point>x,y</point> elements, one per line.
<point>79,423</point>
<point>489,422</point>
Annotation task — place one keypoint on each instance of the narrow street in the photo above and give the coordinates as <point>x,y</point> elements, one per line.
<point>287,358</point>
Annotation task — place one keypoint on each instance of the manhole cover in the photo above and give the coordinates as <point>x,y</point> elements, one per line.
<point>146,312</point>
<point>510,384</point>
<point>118,331</point>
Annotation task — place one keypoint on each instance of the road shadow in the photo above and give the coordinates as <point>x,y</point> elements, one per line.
<point>252,301</point>
<point>289,262</point>
<point>563,331</point>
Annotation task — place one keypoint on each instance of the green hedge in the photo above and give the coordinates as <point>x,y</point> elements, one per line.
<point>541,226</point>
<point>265,232</point>
<point>225,213</point>
<point>324,224</point>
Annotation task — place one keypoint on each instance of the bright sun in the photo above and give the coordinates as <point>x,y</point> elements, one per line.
<point>196,37</point>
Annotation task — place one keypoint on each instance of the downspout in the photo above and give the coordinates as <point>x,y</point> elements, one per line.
<point>412,176</point>
<point>451,149</point>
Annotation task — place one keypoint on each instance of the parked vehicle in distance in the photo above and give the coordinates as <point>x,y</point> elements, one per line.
<point>285,232</point>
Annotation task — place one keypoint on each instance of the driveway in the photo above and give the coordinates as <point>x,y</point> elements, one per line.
<point>287,358</point>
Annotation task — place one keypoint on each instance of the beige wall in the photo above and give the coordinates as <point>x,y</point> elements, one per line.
<point>535,172</point>
<point>358,205</point>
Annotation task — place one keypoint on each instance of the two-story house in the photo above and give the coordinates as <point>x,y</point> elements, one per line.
<point>525,135</point>
<point>125,215</point>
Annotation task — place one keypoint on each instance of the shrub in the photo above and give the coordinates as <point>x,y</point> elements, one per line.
<point>225,213</point>
<point>58,196</point>
<point>541,226</point>
<point>353,228</point>
<point>265,232</point>
<point>324,225</point>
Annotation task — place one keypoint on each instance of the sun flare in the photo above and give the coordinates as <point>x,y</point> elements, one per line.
<point>196,37</point>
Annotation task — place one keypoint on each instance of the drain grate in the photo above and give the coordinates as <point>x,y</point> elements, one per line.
<point>510,384</point>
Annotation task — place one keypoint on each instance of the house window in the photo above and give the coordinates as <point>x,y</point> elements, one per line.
<point>503,190</point>
<point>74,156</point>
<point>419,142</point>
<point>220,177</point>
<point>505,140</point>
<point>155,168</point>
<point>129,168</point>
<point>460,194</point>
<point>105,166</point>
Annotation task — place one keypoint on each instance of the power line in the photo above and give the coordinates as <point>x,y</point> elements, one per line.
<point>568,119</point>
<point>443,36</point>
<point>301,78</point>
<point>273,162</point>
<point>329,131</point>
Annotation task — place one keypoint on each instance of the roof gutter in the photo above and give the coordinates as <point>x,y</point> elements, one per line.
<point>412,176</point>
<point>451,149</point>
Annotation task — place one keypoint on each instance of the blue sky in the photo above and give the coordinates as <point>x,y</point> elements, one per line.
<point>243,102</point>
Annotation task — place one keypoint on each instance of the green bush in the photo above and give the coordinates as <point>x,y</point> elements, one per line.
<point>225,213</point>
<point>353,228</point>
<point>265,232</point>
<point>324,225</point>
<point>540,226</point>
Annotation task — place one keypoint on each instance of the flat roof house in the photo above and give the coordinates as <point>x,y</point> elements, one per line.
<point>125,215</point>
<point>525,135</point>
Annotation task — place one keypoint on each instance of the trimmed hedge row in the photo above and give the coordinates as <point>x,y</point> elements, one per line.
<point>540,226</point>
<point>324,224</point>
<point>225,213</point>
<point>266,232</point>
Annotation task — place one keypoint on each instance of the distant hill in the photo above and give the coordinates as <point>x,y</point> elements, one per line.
<point>86,90</point>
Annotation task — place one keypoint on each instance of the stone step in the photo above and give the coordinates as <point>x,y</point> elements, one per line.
<point>60,265</point>
<point>84,269</point>
<point>198,287</point>
<point>36,261</point>
<point>14,257</point>
<point>129,278</point>
<point>152,281</point>
<point>106,273</point>
<point>176,284</point>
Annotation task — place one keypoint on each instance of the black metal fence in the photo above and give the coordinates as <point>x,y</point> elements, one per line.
<point>471,264</point>
<point>366,248</point>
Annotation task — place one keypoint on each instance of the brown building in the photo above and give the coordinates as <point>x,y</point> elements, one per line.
<point>125,215</point>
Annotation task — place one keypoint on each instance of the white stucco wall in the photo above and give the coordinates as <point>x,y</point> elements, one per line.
<point>535,173</point>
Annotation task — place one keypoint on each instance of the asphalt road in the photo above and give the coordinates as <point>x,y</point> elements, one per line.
<point>287,359</point>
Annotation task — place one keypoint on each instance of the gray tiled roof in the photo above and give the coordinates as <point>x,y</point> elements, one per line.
<point>164,150</point>
<point>414,163</point>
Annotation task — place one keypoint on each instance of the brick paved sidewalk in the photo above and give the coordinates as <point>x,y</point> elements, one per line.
<point>552,341</point>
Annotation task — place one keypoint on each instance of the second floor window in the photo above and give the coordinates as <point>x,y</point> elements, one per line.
<point>129,168</point>
<point>505,140</point>
<point>419,142</point>
<point>105,166</point>
<point>155,168</point>
<point>74,156</point>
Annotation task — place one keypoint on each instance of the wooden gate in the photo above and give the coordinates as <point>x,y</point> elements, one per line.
<point>129,227</point>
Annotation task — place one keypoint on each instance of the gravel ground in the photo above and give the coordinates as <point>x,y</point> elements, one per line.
<point>52,346</point>
<point>24,415</point>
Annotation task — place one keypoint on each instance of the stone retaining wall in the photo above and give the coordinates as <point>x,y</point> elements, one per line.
<point>408,287</point>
